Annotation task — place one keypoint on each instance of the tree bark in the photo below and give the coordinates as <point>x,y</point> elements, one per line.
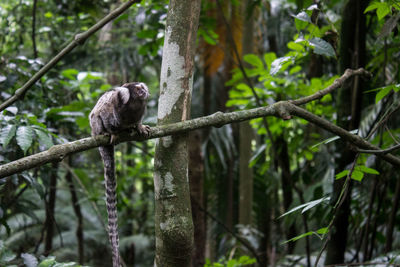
<point>352,54</point>
<point>392,218</point>
<point>173,218</point>
<point>77,210</point>
<point>50,206</point>
<point>245,134</point>
<point>287,186</point>
<point>196,181</point>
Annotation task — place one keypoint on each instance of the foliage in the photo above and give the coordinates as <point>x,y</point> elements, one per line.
<point>242,261</point>
<point>55,110</point>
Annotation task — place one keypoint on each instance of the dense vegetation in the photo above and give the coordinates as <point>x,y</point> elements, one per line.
<point>282,193</point>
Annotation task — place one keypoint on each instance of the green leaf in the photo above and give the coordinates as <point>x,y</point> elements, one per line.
<point>24,137</point>
<point>382,93</point>
<point>147,34</point>
<point>296,46</point>
<point>308,154</point>
<point>342,174</point>
<point>277,64</point>
<point>322,47</point>
<point>210,36</point>
<point>243,87</point>
<point>6,134</point>
<point>365,169</point>
<point>12,110</point>
<point>29,260</point>
<point>382,10</point>
<point>44,138</point>
<point>269,58</point>
<point>122,17</point>
<point>254,60</point>
<point>372,6</point>
<point>300,24</point>
<point>357,175</point>
<point>295,69</point>
<point>6,256</point>
<point>323,230</point>
<point>48,262</point>
<point>303,16</point>
<point>298,237</point>
<point>306,206</point>
<point>331,139</point>
<point>70,74</point>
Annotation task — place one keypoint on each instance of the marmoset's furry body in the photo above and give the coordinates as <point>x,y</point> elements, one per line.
<point>118,109</point>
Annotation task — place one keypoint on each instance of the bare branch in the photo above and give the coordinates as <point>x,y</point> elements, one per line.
<point>381,151</point>
<point>336,84</point>
<point>79,39</point>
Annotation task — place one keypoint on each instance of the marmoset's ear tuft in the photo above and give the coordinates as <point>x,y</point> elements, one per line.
<point>123,94</point>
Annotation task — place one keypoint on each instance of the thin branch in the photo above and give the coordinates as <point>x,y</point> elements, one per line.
<point>243,241</point>
<point>364,264</point>
<point>336,208</point>
<point>391,135</point>
<point>282,109</point>
<point>79,39</point>
<point>381,151</point>
<point>85,193</point>
<point>336,84</point>
<point>35,54</point>
<point>330,127</point>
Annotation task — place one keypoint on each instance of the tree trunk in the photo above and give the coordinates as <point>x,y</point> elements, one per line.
<point>392,218</point>
<point>50,206</point>
<point>245,135</point>
<point>352,55</point>
<point>287,186</point>
<point>78,213</point>
<point>196,181</point>
<point>173,218</point>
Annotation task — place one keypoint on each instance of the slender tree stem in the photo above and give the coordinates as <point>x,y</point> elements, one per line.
<point>79,39</point>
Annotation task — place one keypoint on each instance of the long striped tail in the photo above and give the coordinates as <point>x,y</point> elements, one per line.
<point>107,154</point>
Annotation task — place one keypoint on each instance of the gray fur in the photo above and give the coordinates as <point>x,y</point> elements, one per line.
<point>116,110</point>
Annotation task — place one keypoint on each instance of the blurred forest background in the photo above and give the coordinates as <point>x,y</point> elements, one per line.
<point>277,192</point>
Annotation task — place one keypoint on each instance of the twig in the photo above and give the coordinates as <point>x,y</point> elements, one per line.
<point>79,39</point>
<point>240,239</point>
<point>339,202</point>
<point>336,84</point>
<point>380,151</point>
<point>86,193</point>
<point>391,135</point>
<point>364,263</point>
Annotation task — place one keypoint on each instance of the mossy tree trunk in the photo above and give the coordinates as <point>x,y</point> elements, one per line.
<point>173,218</point>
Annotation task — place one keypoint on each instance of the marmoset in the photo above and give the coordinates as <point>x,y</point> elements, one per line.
<point>118,109</point>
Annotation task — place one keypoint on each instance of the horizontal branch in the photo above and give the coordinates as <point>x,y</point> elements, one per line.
<point>79,39</point>
<point>283,109</point>
<point>58,152</point>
